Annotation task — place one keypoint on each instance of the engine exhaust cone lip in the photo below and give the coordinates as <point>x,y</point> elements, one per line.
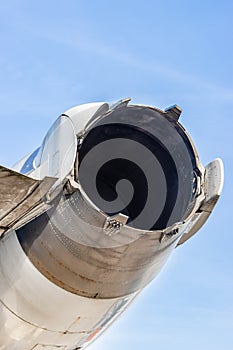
<point>151,128</point>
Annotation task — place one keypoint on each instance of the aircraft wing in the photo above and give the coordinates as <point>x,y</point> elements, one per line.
<point>19,194</point>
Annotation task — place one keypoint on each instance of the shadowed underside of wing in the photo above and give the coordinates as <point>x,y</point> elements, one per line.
<point>19,194</point>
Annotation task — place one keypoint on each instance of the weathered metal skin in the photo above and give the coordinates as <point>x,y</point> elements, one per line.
<point>87,270</point>
<point>71,261</point>
<point>37,314</point>
<point>68,243</point>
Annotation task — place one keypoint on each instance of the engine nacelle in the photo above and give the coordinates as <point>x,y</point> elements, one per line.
<point>134,184</point>
<point>91,217</point>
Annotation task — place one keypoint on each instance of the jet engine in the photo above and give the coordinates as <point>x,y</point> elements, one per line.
<point>105,199</point>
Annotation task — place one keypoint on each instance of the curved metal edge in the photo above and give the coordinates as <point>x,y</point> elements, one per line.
<point>213,185</point>
<point>96,111</point>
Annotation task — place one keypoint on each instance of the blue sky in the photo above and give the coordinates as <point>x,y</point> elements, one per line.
<point>57,54</point>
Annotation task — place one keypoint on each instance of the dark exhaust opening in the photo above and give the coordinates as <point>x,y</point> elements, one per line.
<point>167,147</point>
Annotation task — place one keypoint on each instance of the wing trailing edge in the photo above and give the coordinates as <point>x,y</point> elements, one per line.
<point>19,195</point>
